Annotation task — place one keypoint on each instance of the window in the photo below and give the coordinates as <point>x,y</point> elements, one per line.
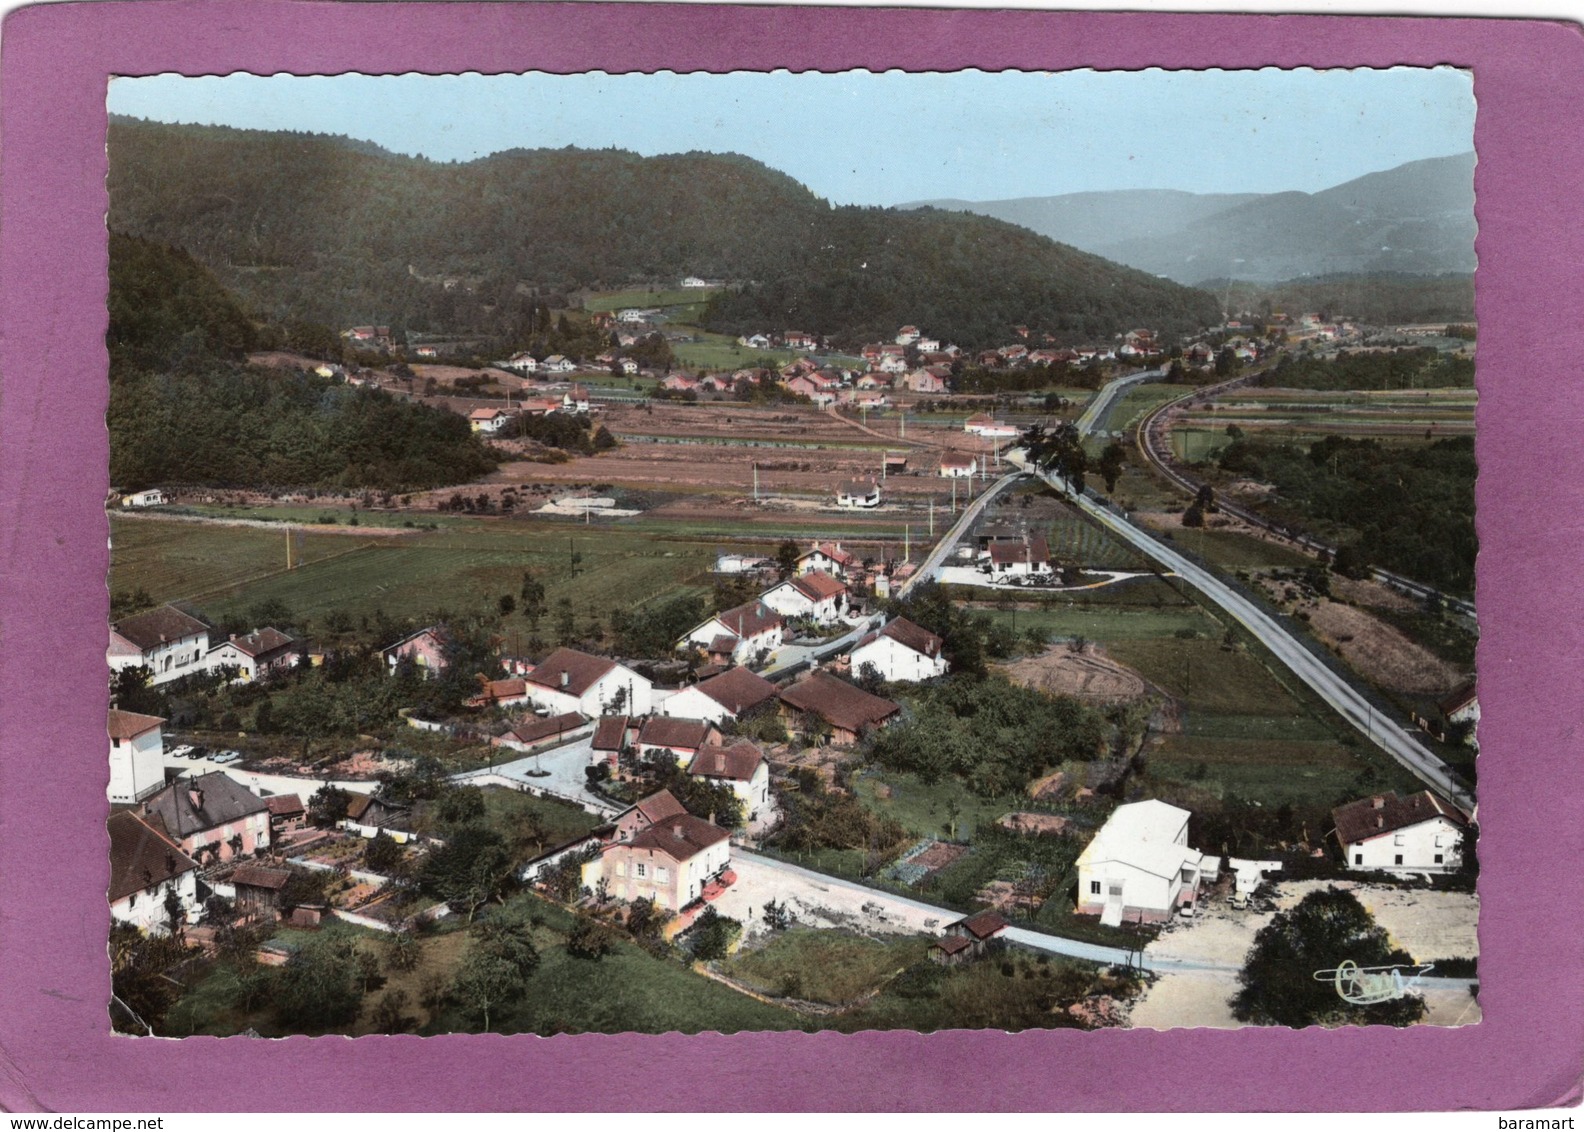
<point>621,868</point>
<point>1440,858</point>
<point>642,870</point>
<point>1094,888</point>
<point>1400,839</point>
<point>1358,858</point>
<point>1399,858</point>
<point>662,875</point>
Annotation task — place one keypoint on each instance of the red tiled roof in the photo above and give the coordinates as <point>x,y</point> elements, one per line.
<point>159,626</point>
<point>738,689</point>
<point>257,876</point>
<point>533,728</point>
<point>681,837</point>
<point>983,925</point>
<point>750,619</point>
<point>260,642</point>
<point>738,762</point>
<point>675,734</point>
<point>129,724</point>
<point>1458,700</point>
<point>912,636</point>
<point>141,856</point>
<point>658,807</point>
<point>610,733</point>
<point>817,585</point>
<point>582,671</point>
<point>1007,552</point>
<point>284,805</point>
<point>723,643</point>
<point>830,550</point>
<point>506,689</point>
<point>1387,813</point>
<point>952,944</point>
<point>837,702</point>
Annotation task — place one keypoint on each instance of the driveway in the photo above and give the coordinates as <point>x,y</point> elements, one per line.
<point>565,765</point>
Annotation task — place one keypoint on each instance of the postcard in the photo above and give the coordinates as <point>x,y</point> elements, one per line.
<point>942,552</point>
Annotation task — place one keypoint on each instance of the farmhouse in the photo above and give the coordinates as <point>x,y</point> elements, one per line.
<point>499,693</point>
<point>1028,557</point>
<point>967,939</point>
<point>568,680</point>
<point>741,766</point>
<point>925,381</point>
<point>817,596</point>
<point>612,735</point>
<point>955,465</point>
<point>145,865</point>
<point>490,422</point>
<point>847,710</point>
<point>646,813</point>
<point>533,730</point>
<point>1419,833</point>
<point>682,737</point>
<point>555,363</point>
<point>256,654</point>
<point>723,697</point>
<point>211,815</point>
<point>154,497</point>
<point>829,558</point>
<point>169,643</point>
<point>137,756</point>
<point>901,651</point>
<point>1139,867</point>
<point>576,399</point>
<point>744,634</point>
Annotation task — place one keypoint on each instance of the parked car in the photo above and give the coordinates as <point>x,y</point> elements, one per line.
<point>227,757</point>
<point>198,753</point>
<point>182,752</point>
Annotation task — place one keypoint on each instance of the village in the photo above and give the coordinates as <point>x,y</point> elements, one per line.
<point>734,797</point>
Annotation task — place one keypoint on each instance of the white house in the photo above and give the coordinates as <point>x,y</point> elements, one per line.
<point>1028,557</point>
<point>684,738</point>
<point>489,421</point>
<point>900,651</point>
<point>153,497</point>
<point>743,634</point>
<point>723,697</point>
<point>740,563</point>
<point>1139,867</point>
<point>955,465</point>
<point>576,399</point>
<point>137,756</point>
<point>1419,833</point>
<point>525,363</point>
<point>568,680</point>
<point>828,558</point>
<point>815,595</point>
<point>858,494</point>
<point>693,281</point>
<point>555,363</point>
<point>907,336</point>
<point>1462,707</point>
<point>255,654</point>
<point>145,865</point>
<point>741,766</point>
<point>169,643</point>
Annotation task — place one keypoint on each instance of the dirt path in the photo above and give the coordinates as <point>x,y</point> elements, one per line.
<point>1086,676</point>
<point>359,531</point>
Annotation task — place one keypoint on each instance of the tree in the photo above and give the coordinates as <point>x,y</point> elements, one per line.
<point>382,854</point>
<point>507,605</point>
<point>328,805</point>
<point>714,934</point>
<point>533,599</point>
<point>1323,931</point>
<point>786,559</point>
<point>319,986</point>
<point>590,939</point>
<point>460,805</point>
<point>1112,461</point>
<point>402,951</point>
<point>499,962</point>
<point>469,870</point>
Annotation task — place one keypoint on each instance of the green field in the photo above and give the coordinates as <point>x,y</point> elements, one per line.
<point>674,297</point>
<point>229,569</point>
<point>924,809</point>
<point>1110,623</point>
<point>833,967</point>
<point>1232,549</point>
<point>1072,538</point>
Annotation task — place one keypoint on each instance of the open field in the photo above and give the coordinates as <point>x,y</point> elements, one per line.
<point>638,297</point>
<point>833,967</point>
<point>924,809</point>
<point>232,568</point>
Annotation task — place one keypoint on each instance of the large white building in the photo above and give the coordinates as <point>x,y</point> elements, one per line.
<point>817,596</point>
<point>169,643</point>
<point>137,756</point>
<point>1419,833</point>
<point>145,866</point>
<point>746,634</point>
<point>568,680</point>
<point>723,697</point>
<point>902,651</point>
<point>1139,867</point>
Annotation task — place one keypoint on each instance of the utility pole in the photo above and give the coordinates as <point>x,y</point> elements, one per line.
<point>288,548</point>
<point>932,516</point>
<point>756,481</point>
<point>907,543</point>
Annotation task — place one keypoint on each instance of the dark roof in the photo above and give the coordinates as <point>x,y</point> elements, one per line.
<point>837,702</point>
<point>260,642</point>
<point>680,837</point>
<point>534,728</point>
<point>1017,550</point>
<point>677,734</point>
<point>438,632</point>
<point>738,762</point>
<point>192,805</point>
<point>257,876</point>
<point>738,689</point>
<point>1386,813</point>
<point>1458,700</point>
<point>129,724</point>
<point>952,944</point>
<point>284,805</point>
<point>582,671</point>
<point>830,550</point>
<point>610,733</point>
<point>505,689</point>
<point>817,585</point>
<point>749,619</point>
<point>159,626</point>
<point>909,635</point>
<point>141,856</point>
<point>658,807</point>
<point>982,925</point>
<point>723,643</point>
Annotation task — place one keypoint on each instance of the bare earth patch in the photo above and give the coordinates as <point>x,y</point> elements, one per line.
<point>1371,593</point>
<point>1381,651</point>
<point>1086,676</point>
<point>1034,823</point>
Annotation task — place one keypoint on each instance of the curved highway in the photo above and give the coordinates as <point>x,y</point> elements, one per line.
<point>1380,729</point>
<point>1100,408</point>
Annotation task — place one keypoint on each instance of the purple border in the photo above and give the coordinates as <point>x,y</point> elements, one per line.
<point>55,1052</point>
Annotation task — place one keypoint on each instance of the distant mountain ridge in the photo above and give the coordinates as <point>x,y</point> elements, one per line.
<point>313,228</point>
<point>1417,218</point>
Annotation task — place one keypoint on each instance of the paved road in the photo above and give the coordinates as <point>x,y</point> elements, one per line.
<point>1380,729</point>
<point>793,658</point>
<point>1098,410</point>
<point>565,763</point>
<point>950,538</point>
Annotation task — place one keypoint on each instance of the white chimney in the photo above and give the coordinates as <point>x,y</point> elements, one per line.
<point>565,678</point>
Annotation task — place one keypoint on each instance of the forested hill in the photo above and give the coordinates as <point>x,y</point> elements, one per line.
<point>185,410</point>
<point>319,229</point>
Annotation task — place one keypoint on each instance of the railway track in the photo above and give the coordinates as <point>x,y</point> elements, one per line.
<point>1153,440</point>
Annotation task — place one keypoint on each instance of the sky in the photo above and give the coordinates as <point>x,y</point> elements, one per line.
<point>858,137</point>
